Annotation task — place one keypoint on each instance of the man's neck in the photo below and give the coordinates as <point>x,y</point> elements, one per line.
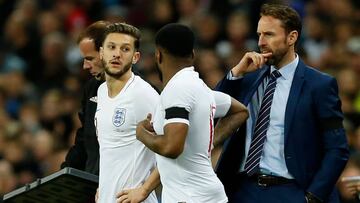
<point>115,85</point>
<point>172,69</point>
<point>288,58</point>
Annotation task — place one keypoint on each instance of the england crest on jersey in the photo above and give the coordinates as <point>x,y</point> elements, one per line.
<point>119,117</point>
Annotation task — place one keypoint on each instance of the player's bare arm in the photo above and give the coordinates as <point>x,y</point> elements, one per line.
<point>170,145</point>
<point>228,124</point>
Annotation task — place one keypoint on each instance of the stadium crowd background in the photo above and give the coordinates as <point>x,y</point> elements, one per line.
<point>41,73</point>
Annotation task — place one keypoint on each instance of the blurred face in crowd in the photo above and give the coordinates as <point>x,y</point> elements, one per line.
<point>91,56</point>
<point>273,38</point>
<point>118,54</point>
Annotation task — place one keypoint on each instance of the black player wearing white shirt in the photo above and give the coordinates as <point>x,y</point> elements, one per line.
<point>182,131</point>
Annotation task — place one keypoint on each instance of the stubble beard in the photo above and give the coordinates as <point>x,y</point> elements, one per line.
<point>118,73</point>
<point>276,57</point>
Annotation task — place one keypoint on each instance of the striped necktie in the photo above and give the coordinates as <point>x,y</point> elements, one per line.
<point>262,123</point>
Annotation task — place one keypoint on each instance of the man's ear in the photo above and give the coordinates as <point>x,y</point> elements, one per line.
<point>193,54</point>
<point>158,56</point>
<point>101,53</point>
<point>292,37</point>
<point>136,57</point>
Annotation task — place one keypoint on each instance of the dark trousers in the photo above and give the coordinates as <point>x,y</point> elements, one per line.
<point>249,191</point>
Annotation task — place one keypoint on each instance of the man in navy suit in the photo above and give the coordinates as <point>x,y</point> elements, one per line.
<point>293,146</point>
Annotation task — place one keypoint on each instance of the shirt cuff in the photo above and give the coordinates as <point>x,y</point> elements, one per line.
<point>230,76</point>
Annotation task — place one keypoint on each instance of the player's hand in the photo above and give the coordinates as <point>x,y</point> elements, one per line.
<point>144,128</point>
<point>131,196</point>
<point>148,124</point>
<point>250,62</point>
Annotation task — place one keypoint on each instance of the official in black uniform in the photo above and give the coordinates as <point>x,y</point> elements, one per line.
<point>84,155</point>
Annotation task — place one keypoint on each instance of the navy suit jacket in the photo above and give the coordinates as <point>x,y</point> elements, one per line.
<point>316,148</point>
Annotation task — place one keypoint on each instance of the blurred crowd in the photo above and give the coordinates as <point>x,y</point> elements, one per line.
<point>41,75</point>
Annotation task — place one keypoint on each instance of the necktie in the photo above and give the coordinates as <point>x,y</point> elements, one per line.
<point>262,123</point>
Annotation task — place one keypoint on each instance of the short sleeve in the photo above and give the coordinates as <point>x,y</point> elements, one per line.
<point>223,103</point>
<point>178,97</point>
<point>147,103</point>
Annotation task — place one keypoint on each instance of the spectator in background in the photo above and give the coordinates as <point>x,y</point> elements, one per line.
<point>353,132</point>
<point>116,14</point>
<point>210,67</point>
<point>161,13</point>
<point>7,178</point>
<point>294,132</point>
<point>10,62</point>
<point>238,40</point>
<point>52,115</point>
<point>43,147</point>
<point>350,189</point>
<point>188,11</point>
<point>207,28</point>
<point>316,40</point>
<point>84,155</point>
<point>21,41</point>
<point>48,23</point>
<point>349,86</point>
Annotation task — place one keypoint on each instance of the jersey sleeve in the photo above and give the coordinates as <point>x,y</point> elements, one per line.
<point>178,103</point>
<point>223,103</point>
<point>145,102</point>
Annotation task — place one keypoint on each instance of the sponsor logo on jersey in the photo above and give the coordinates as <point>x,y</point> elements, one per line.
<point>119,117</point>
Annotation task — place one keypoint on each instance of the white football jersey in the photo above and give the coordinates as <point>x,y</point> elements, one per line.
<point>125,162</point>
<point>190,177</point>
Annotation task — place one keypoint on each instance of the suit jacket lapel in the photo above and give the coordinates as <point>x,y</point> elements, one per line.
<point>231,157</point>
<point>294,97</point>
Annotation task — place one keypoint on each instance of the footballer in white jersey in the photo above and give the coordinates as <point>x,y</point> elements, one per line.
<point>125,162</point>
<point>190,177</point>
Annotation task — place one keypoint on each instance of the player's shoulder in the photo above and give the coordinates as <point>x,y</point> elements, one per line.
<point>185,81</point>
<point>144,93</point>
<point>143,87</point>
<point>193,88</point>
<point>318,78</point>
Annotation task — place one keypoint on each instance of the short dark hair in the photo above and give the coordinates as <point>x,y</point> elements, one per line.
<point>124,28</point>
<point>95,32</point>
<point>178,40</point>
<point>288,16</point>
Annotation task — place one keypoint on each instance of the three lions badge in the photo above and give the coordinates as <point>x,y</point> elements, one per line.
<point>119,117</point>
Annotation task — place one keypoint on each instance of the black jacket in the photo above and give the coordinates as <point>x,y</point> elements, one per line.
<point>84,155</point>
